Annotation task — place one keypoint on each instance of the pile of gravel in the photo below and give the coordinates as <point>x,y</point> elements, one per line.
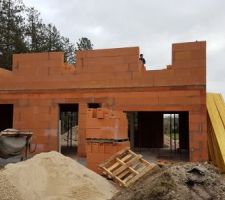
<point>49,176</point>
<point>7,190</point>
<point>182,181</point>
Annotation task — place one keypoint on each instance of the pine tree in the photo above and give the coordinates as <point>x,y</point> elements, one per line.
<point>34,30</point>
<point>84,44</point>
<point>22,30</point>
<point>69,50</point>
<point>11,30</point>
<point>53,39</point>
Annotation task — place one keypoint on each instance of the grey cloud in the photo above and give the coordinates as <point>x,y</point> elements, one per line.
<point>151,24</point>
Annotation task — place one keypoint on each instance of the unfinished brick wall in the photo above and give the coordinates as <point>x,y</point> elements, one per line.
<point>106,133</point>
<point>104,123</point>
<point>41,117</point>
<point>116,78</point>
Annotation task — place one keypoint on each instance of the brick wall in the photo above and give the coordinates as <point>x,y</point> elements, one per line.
<point>113,77</point>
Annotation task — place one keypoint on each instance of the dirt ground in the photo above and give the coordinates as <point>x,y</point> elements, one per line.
<point>183,181</point>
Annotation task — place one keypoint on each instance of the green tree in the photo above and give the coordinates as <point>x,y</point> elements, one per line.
<point>11,30</point>
<point>53,39</point>
<point>69,50</point>
<point>35,34</point>
<point>43,37</point>
<point>84,44</point>
<point>22,30</point>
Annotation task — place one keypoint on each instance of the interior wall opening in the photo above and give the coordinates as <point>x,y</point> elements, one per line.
<point>6,116</point>
<point>164,134</point>
<point>68,129</point>
<point>94,105</point>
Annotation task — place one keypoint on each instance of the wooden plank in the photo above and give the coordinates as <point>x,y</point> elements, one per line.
<point>113,166</point>
<point>211,146</point>
<point>126,170</point>
<point>9,133</point>
<point>214,107</point>
<point>128,164</point>
<point>131,152</point>
<point>114,156</point>
<point>128,178</point>
<point>110,173</point>
<point>124,173</point>
<point>221,108</point>
<point>120,181</point>
<point>120,161</point>
<point>134,171</point>
<point>117,164</point>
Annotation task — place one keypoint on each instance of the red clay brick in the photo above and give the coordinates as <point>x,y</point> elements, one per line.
<point>41,81</point>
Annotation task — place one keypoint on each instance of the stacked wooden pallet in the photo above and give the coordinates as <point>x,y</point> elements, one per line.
<point>216,129</point>
<point>126,167</point>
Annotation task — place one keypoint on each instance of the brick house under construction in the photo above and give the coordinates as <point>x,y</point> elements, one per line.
<point>41,86</point>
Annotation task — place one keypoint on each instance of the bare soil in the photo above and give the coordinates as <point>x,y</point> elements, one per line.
<point>183,181</point>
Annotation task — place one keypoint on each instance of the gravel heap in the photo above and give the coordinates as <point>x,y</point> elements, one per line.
<point>182,181</point>
<point>52,176</point>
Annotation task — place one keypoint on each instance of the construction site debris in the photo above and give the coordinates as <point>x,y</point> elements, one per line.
<point>182,181</point>
<point>126,167</point>
<point>53,176</point>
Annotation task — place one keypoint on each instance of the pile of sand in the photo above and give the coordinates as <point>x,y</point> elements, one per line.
<point>179,182</point>
<point>53,176</point>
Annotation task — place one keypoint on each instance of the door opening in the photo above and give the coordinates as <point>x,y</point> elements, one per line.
<point>6,116</point>
<point>164,134</point>
<point>68,129</point>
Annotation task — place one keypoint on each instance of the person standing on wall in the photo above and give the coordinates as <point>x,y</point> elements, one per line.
<point>142,58</point>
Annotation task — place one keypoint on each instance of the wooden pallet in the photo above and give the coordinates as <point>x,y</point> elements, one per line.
<point>126,167</point>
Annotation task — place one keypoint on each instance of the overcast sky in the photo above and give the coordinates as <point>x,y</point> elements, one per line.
<point>153,25</point>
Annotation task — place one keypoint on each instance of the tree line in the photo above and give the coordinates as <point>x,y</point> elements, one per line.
<point>22,30</point>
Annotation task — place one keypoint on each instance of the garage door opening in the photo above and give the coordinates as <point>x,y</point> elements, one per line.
<point>68,129</point>
<point>6,116</point>
<point>164,134</point>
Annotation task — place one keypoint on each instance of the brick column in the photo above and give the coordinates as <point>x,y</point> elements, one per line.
<point>82,129</point>
<point>198,136</point>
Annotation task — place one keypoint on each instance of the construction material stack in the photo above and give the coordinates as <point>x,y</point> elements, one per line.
<point>216,129</point>
<point>106,134</point>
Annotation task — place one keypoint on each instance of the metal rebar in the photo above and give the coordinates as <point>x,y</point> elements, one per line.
<point>174,132</point>
<point>171,148</point>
